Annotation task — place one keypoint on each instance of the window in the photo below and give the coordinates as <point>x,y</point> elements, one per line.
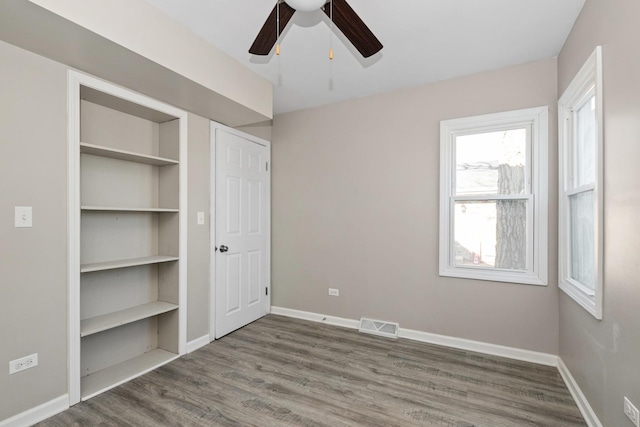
<point>493,197</point>
<point>580,217</point>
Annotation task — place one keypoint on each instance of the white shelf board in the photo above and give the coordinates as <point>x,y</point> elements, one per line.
<point>93,325</point>
<point>124,209</point>
<point>98,150</point>
<point>123,263</point>
<point>115,375</point>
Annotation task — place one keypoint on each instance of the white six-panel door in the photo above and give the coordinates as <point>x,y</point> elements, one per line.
<point>241,231</point>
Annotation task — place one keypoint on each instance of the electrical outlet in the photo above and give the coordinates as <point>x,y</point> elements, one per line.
<point>334,292</point>
<point>631,412</point>
<point>23,363</point>
<point>200,218</point>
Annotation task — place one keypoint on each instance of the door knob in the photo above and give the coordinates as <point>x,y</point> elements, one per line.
<point>223,248</point>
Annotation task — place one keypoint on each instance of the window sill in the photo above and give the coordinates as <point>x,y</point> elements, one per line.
<point>586,301</point>
<point>493,276</point>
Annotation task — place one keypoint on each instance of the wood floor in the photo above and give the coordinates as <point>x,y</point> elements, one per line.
<point>280,371</point>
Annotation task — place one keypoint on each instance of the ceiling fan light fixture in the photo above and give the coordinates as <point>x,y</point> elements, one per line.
<point>341,15</point>
<point>306,5</point>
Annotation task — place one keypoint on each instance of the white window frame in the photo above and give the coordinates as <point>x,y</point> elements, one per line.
<point>585,84</point>
<point>537,121</point>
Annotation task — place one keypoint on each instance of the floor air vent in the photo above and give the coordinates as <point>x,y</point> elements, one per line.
<point>378,327</point>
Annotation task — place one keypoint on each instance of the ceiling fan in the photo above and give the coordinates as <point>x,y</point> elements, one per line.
<point>343,17</point>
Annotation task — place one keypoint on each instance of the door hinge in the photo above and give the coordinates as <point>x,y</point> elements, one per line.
<point>266,291</point>
<point>267,166</point>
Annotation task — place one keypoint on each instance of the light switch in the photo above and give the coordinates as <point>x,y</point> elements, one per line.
<point>24,216</point>
<point>200,218</point>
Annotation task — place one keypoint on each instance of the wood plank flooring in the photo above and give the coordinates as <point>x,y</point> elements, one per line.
<point>280,371</point>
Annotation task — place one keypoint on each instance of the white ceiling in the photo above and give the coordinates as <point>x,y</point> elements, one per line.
<point>424,41</point>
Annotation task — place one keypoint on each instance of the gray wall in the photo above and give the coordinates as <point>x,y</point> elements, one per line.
<point>604,356</point>
<point>33,261</point>
<point>355,207</point>
<point>198,257</point>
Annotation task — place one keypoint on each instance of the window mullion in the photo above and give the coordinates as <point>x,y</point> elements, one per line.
<point>568,158</point>
<point>452,238</point>
<point>530,233</point>
<point>582,189</point>
<point>528,163</point>
<point>490,197</point>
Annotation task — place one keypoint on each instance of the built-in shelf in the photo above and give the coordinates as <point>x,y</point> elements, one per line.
<point>98,150</point>
<point>115,375</point>
<point>123,263</point>
<point>123,209</point>
<point>128,235</point>
<point>102,323</point>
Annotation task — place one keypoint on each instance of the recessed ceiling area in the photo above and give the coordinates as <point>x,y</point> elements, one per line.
<point>424,41</point>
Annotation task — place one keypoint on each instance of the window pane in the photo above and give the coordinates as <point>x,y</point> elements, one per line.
<point>582,231</point>
<point>586,143</point>
<point>491,234</point>
<point>491,163</point>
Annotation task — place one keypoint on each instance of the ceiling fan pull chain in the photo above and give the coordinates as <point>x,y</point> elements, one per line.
<point>331,32</point>
<point>277,27</point>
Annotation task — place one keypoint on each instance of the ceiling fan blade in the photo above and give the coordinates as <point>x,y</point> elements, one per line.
<point>354,29</point>
<point>267,36</point>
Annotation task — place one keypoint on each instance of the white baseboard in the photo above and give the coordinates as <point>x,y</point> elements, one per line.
<point>426,337</point>
<point>39,413</point>
<point>198,343</point>
<point>481,347</point>
<point>315,317</point>
<point>583,404</point>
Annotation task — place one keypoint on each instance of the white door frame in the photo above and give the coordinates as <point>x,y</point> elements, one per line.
<point>215,127</point>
